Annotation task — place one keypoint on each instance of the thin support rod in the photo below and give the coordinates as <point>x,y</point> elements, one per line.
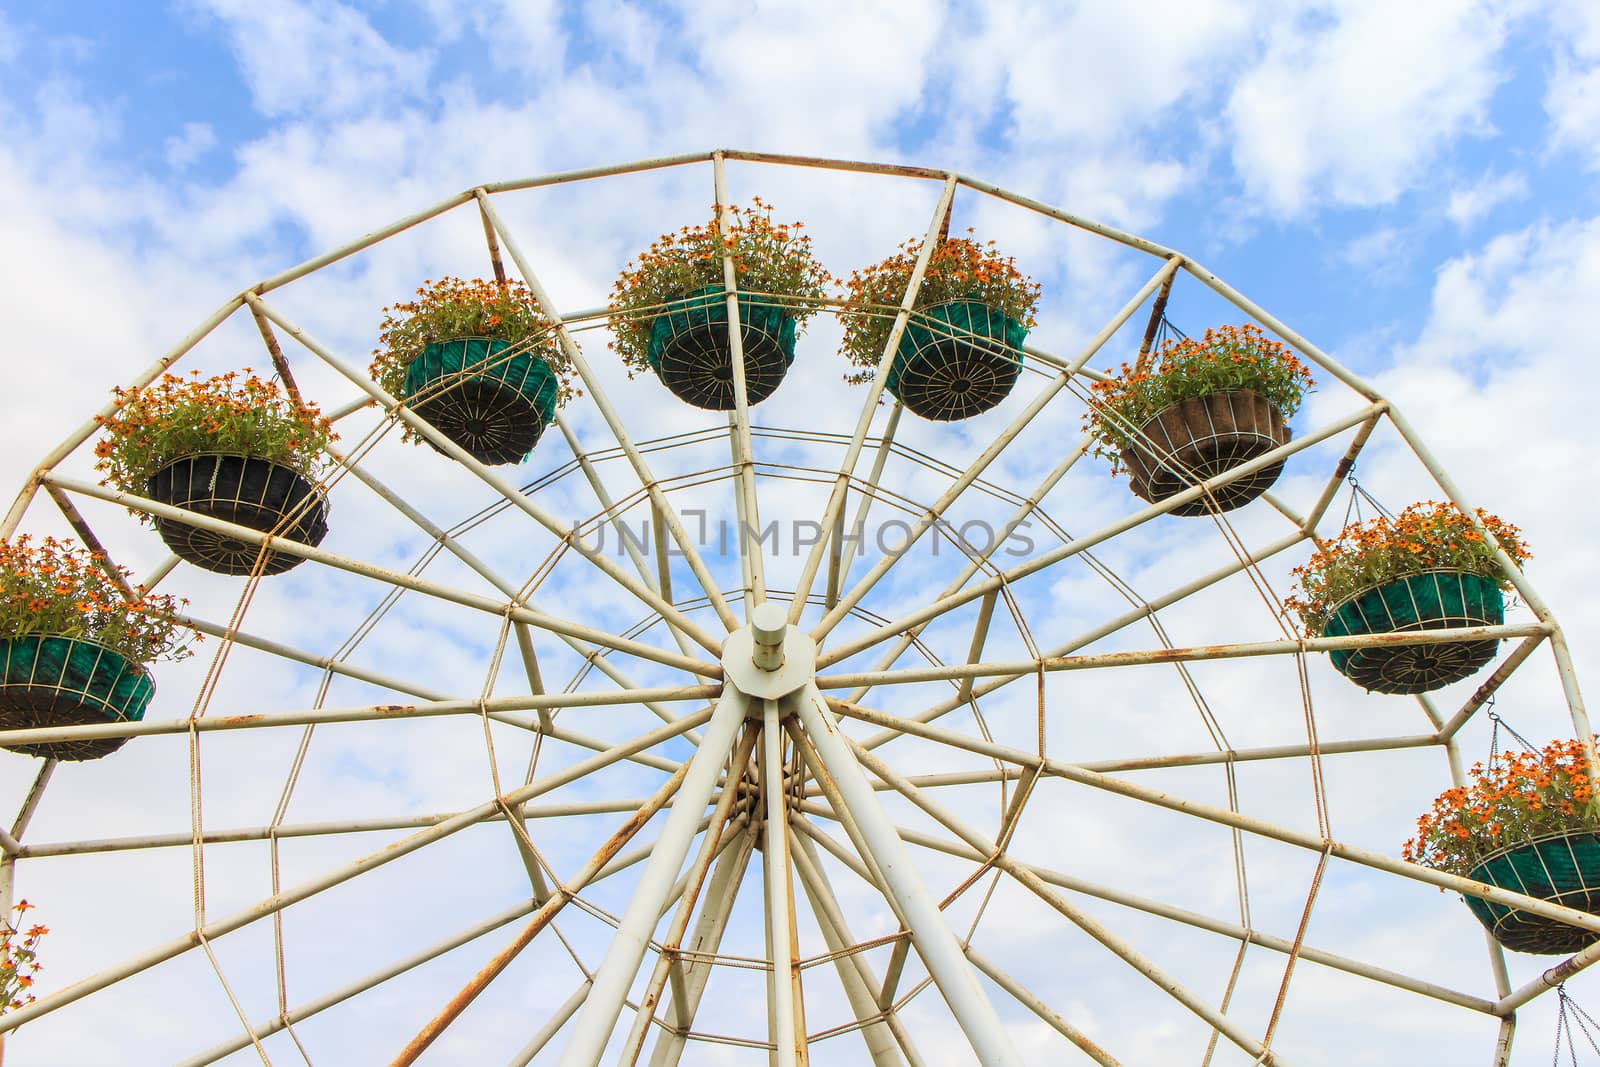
<point>424,429</point>
<point>507,588</point>
<point>1143,610</point>
<point>709,850</point>
<point>935,941</point>
<point>744,453</point>
<point>1198,653</point>
<point>721,892</point>
<point>849,546</point>
<point>409,582</point>
<point>880,1027</point>
<point>1212,813</point>
<point>602,403</point>
<point>542,918</point>
<point>976,562</point>
<point>935,511</point>
<point>404,847</point>
<point>1080,544</point>
<point>597,1018</point>
<point>836,499</point>
<point>1020,993</point>
<point>1113,943</point>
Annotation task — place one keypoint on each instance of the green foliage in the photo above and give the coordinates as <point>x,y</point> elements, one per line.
<point>1426,536</point>
<point>59,588</point>
<point>1518,798</point>
<point>451,308</point>
<point>234,414</point>
<point>1227,359</point>
<point>958,269</point>
<point>770,260</point>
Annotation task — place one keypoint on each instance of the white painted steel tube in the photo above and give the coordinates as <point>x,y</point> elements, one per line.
<point>935,942</point>
<point>615,975</point>
<point>278,901</point>
<point>780,888</point>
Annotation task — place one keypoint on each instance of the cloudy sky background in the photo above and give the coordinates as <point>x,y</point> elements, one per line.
<point>1410,187</point>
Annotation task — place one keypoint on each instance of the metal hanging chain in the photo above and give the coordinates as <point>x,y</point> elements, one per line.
<point>1358,493</point>
<point>1494,737</point>
<point>1571,1019</point>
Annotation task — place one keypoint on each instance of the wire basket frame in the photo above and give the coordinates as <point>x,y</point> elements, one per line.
<point>1563,869</point>
<point>1196,439</point>
<point>1432,600</point>
<point>485,394</point>
<point>956,360</point>
<point>692,353</point>
<point>251,492</point>
<point>65,681</point>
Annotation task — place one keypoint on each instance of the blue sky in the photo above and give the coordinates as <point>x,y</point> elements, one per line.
<point>1410,186</point>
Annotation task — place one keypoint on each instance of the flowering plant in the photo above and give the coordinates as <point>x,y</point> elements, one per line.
<point>770,259</point>
<point>451,308</point>
<point>57,588</point>
<point>1427,536</point>
<point>19,959</point>
<point>1517,798</point>
<point>231,414</point>
<point>958,269</point>
<point>1225,359</point>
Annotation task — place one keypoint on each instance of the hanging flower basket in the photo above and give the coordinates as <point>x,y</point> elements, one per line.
<point>669,307</point>
<point>1432,600</point>
<point>1565,870</point>
<point>244,490</point>
<point>494,403</point>
<point>1426,569</point>
<point>961,351</point>
<point>59,681</point>
<point>1202,408</point>
<point>691,351</point>
<point>479,361</point>
<point>234,448</point>
<point>1528,822</point>
<point>956,360</point>
<point>73,648</point>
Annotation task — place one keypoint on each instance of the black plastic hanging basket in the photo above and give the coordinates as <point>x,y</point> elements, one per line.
<point>255,493</point>
<point>691,348</point>
<point>1200,438</point>
<point>63,681</point>
<point>1432,600</point>
<point>1563,869</point>
<point>956,360</point>
<point>494,405</point>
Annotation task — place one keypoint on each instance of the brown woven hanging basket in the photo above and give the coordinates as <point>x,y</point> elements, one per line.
<point>1197,439</point>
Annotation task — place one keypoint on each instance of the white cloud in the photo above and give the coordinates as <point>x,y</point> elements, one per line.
<point>1472,202</point>
<point>188,145</point>
<point>1352,100</point>
<point>319,56</point>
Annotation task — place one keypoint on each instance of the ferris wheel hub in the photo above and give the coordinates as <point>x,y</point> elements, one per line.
<point>768,658</point>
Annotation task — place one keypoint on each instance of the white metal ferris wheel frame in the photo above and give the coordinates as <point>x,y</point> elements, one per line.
<point>749,706</point>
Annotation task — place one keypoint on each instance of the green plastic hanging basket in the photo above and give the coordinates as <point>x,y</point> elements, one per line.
<point>691,348</point>
<point>493,404</point>
<point>245,490</point>
<point>956,360</point>
<point>64,681</point>
<point>1200,438</point>
<point>1563,869</point>
<point>1431,600</point>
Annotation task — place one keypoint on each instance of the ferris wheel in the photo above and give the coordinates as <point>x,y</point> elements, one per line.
<point>751,716</point>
